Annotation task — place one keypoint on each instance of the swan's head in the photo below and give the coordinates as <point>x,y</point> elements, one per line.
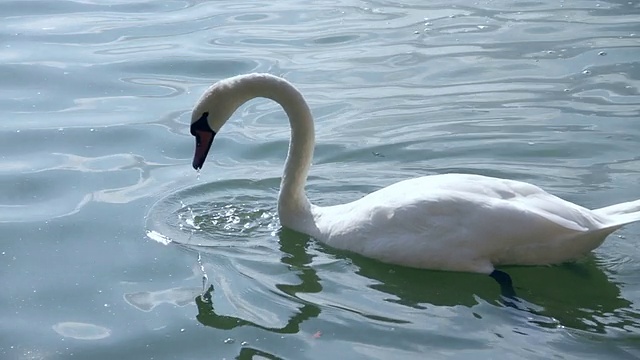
<point>213,109</point>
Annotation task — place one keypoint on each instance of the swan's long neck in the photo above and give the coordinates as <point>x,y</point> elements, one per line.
<point>294,208</point>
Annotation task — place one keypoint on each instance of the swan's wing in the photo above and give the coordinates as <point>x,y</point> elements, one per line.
<point>471,219</point>
<point>499,198</point>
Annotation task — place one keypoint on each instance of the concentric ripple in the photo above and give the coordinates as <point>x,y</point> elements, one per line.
<point>223,214</point>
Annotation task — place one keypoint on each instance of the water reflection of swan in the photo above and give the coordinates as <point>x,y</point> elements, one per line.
<point>453,222</point>
<point>575,295</point>
<point>294,255</point>
<point>578,296</point>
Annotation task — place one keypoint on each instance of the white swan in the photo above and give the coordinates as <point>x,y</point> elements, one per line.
<point>452,222</point>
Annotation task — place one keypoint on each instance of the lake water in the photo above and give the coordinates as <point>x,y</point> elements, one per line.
<point>95,152</point>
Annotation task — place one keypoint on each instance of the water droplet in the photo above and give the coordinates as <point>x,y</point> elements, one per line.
<point>244,343</point>
<point>602,53</point>
<point>566,90</point>
<point>229,341</point>
<point>416,32</point>
<point>198,174</point>
<point>92,129</point>
<point>182,330</point>
<point>586,72</point>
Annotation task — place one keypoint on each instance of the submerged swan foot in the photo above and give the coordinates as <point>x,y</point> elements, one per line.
<point>505,282</point>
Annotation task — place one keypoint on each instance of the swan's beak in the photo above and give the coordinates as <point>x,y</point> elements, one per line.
<point>204,139</point>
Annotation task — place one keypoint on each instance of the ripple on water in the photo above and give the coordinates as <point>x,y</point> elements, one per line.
<point>227,214</point>
<point>148,300</point>
<point>81,331</point>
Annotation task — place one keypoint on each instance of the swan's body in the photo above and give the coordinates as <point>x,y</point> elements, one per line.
<point>465,223</point>
<point>449,222</point>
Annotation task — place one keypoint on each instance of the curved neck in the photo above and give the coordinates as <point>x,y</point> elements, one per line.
<point>294,208</point>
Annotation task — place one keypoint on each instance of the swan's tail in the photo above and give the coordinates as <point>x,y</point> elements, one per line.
<point>621,214</point>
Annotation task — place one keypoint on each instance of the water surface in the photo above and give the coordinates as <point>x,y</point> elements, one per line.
<point>95,153</point>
